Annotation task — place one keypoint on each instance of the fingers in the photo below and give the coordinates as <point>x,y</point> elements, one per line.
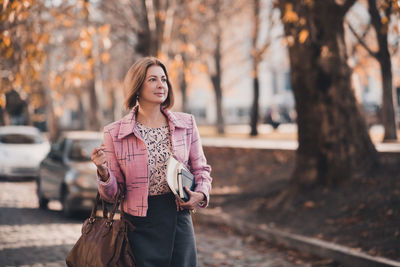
<point>188,191</point>
<point>98,150</point>
<point>194,200</point>
<point>178,204</point>
<point>98,156</point>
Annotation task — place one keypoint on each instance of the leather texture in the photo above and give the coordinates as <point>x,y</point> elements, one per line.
<point>104,241</point>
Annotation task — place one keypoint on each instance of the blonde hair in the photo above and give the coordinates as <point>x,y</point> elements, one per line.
<point>135,77</point>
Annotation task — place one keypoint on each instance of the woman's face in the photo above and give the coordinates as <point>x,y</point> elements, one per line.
<point>155,87</point>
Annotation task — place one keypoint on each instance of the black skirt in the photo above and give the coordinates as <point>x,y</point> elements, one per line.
<point>165,237</point>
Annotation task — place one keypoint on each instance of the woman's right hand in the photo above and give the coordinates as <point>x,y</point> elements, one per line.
<point>99,159</point>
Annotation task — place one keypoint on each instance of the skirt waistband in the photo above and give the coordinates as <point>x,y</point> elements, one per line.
<point>163,196</point>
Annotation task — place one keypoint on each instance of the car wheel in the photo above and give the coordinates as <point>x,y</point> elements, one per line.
<point>67,207</point>
<point>43,202</point>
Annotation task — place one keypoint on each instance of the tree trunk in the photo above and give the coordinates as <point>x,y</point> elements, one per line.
<point>333,137</point>
<point>2,116</point>
<point>255,58</point>
<point>389,102</point>
<point>183,90</point>
<point>216,81</point>
<point>256,96</point>
<point>52,122</point>
<point>83,118</point>
<point>93,109</point>
<point>150,39</point>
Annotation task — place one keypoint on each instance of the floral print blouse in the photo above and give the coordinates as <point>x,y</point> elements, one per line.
<point>159,150</point>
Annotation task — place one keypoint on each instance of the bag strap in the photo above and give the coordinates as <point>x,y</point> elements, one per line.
<point>106,213</point>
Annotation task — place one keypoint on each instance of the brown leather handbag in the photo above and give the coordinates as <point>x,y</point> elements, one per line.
<point>104,241</point>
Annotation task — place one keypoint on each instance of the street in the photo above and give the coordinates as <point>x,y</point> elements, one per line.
<point>33,237</point>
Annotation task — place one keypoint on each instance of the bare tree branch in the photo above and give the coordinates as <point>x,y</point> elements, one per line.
<point>361,41</point>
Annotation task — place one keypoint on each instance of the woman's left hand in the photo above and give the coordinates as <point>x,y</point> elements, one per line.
<point>194,200</point>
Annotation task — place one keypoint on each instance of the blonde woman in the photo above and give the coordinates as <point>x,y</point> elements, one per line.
<point>137,148</point>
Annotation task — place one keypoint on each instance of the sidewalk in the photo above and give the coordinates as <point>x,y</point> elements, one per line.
<point>285,137</point>
<point>276,144</point>
<point>339,254</point>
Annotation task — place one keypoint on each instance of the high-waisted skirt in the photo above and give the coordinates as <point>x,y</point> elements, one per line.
<point>165,237</point>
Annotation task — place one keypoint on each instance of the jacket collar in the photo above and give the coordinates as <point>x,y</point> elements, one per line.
<point>128,122</point>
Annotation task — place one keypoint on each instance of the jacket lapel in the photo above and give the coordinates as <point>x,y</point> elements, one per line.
<point>128,122</point>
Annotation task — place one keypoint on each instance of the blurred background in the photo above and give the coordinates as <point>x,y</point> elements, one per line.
<point>297,103</point>
<point>63,62</point>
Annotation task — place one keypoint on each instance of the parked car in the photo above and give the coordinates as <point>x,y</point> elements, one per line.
<point>67,173</point>
<point>22,148</point>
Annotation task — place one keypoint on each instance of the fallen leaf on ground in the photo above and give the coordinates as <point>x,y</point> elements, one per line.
<point>219,256</point>
<point>309,204</point>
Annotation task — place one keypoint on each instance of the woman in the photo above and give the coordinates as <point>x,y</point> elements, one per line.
<point>136,149</point>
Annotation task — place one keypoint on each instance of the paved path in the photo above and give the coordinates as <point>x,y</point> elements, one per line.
<point>33,237</point>
<point>276,144</point>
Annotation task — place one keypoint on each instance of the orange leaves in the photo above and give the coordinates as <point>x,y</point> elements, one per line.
<point>105,57</point>
<point>17,80</point>
<point>3,100</point>
<point>303,36</point>
<point>67,23</point>
<point>309,204</point>
<point>6,40</point>
<point>104,30</point>
<point>290,16</point>
<point>309,3</point>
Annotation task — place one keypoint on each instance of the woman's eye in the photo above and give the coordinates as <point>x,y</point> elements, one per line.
<point>164,80</point>
<point>152,79</point>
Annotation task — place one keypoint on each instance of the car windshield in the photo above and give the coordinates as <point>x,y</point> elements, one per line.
<point>82,149</point>
<point>14,138</point>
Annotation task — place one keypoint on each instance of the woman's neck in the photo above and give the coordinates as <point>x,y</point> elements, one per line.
<point>151,116</point>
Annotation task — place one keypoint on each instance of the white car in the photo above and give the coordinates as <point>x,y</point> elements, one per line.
<point>22,148</point>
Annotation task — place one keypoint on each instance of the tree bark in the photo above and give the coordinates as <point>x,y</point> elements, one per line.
<point>389,102</point>
<point>216,81</point>
<point>255,58</point>
<point>83,118</point>
<point>2,117</point>
<point>183,90</point>
<point>52,122</point>
<point>333,137</point>
<point>255,106</point>
<point>94,122</point>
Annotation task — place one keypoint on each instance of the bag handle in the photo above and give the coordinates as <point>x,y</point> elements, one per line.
<point>106,213</point>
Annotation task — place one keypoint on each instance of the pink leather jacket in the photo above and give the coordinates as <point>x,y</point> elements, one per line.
<point>126,156</point>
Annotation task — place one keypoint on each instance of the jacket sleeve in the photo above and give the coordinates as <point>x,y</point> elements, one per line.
<point>109,189</point>
<point>201,170</point>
